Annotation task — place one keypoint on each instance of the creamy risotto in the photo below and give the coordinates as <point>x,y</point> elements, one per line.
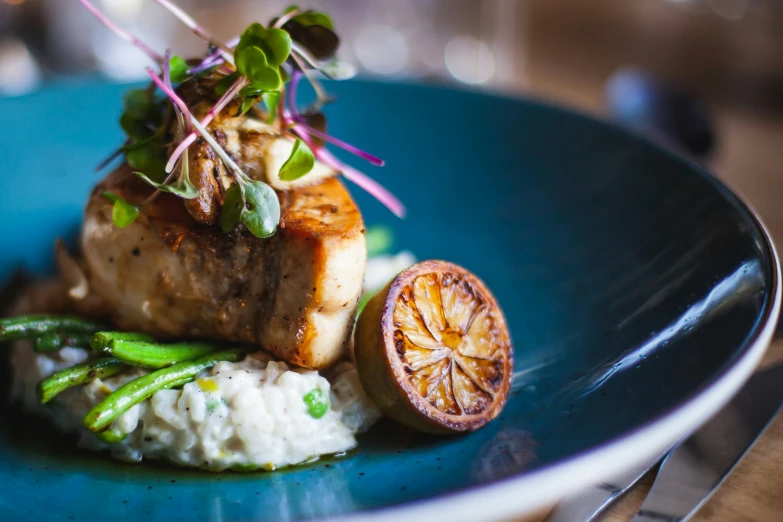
<point>258,413</point>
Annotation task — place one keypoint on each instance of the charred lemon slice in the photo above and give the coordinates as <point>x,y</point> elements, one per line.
<point>433,349</point>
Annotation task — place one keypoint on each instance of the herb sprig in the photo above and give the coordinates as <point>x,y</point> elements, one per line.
<point>263,65</point>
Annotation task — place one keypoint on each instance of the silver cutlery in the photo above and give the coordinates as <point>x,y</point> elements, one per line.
<point>694,469</point>
<point>592,503</point>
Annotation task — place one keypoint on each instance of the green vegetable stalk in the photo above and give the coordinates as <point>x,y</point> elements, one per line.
<point>123,399</point>
<point>33,326</point>
<point>80,374</point>
<point>155,356</point>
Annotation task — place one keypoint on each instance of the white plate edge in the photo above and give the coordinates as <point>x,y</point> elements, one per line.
<point>501,500</point>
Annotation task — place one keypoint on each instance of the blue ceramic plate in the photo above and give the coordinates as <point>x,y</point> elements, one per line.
<point>640,293</point>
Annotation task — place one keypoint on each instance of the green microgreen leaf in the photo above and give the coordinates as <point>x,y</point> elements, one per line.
<point>149,158</point>
<point>271,101</point>
<point>299,163</point>
<point>247,104</point>
<point>184,179</point>
<point>138,103</point>
<point>278,43</point>
<point>135,129</point>
<point>309,18</point>
<point>274,43</point>
<point>379,241</point>
<point>225,83</point>
<point>317,403</point>
<point>233,204</point>
<point>250,92</point>
<point>186,190</point>
<point>261,211</point>
<point>122,213</point>
<point>142,114</point>
<point>179,69</point>
<point>252,63</point>
<point>321,41</point>
<point>249,96</point>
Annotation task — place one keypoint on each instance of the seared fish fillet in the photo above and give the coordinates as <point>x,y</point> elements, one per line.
<point>294,294</point>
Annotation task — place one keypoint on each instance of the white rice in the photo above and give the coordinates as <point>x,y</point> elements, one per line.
<point>246,415</point>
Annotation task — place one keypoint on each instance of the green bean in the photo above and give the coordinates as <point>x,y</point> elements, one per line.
<point>156,356</point>
<point>84,373</point>
<point>52,342</point>
<point>134,392</point>
<point>102,340</point>
<point>32,326</point>
<point>110,436</point>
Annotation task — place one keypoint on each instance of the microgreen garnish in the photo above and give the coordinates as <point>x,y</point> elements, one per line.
<point>318,39</point>
<point>121,32</point>
<point>147,158</point>
<point>310,18</point>
<point>259,56</point>
<point>252,204</point>
<point>194,26</point>
<point>179,69</point>
<point>144,123</point>
<point>261,74</point>
<point>229,95</point>
<point>123,213</point>
<point>142,114</point>
<point>317,403</point>
<point>274,44</point>
<point>260,208</point>
<point>261,211</point>
<point>299,163</point>
<point>226,82</point>
<point>182,188</point>
<point>271,102</point>
<point>264,64</point>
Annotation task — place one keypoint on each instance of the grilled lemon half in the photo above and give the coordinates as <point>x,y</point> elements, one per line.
<point>433,350</point>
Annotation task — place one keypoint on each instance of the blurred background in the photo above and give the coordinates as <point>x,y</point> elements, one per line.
<point>702,76</point>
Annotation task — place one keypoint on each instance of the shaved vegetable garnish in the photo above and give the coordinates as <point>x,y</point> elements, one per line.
<point>262,66</point>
